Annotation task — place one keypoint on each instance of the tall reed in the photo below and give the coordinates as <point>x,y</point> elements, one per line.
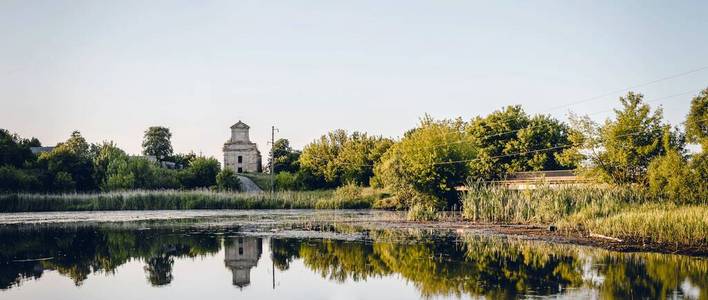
<point>160,199</point>
<point>544,204</point>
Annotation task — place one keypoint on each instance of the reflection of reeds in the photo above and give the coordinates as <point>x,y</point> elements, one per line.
<point>164,199</point>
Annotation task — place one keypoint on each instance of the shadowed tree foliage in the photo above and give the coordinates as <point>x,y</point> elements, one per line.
<point>201,172</point>
<point>286,159</point>
<point>69,165</point>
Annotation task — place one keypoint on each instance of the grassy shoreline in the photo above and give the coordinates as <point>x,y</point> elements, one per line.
<point>159,200</point>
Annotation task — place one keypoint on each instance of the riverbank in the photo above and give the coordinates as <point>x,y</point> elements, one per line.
<point>346,197</point>
<point>159,200</point>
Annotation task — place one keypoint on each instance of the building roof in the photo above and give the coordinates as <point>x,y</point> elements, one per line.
<point>240,124</point>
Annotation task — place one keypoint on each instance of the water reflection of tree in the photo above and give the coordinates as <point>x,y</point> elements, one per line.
<point>77,252</point>
<point>159,269</point>
<point>494,267</point>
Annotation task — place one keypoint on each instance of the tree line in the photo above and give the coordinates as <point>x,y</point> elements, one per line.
<point>634,147</point>
<point>75,165</point>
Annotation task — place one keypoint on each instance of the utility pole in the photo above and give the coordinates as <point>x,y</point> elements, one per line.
<point>272,160</point>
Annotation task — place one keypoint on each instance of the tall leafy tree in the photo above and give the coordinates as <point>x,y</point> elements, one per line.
<point>200,173</point>
<point>509,140</point>
<point>621,150</point>
<point>70,165</point>
<point>156,142</point>
<point>14,150</point>
<point>338,157</point>
<point>697,120</point>
<point>427,164</point>
<point>285,159</point>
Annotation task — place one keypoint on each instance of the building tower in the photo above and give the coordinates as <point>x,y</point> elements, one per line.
<point>240,154</point>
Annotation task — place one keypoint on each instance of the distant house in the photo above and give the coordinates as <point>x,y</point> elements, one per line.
<point>39,150</point>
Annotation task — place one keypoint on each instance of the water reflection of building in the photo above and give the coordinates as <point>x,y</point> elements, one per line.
<point>242,254</point>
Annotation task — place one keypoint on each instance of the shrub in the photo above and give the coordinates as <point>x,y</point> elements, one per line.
<point>12,179</point>
<point>286,181</point>
<point>227,180</point>
<point>351,196</point>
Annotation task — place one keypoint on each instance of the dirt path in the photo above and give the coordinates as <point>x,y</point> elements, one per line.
<point>247,185</point>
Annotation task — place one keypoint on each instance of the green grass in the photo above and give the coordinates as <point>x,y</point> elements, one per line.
<point>346,197</point>
<point>157,200</point>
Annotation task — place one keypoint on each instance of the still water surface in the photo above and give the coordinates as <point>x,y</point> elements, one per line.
<point>312,255</point>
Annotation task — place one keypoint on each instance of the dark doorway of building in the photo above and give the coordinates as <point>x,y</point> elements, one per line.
<point>239,170</point>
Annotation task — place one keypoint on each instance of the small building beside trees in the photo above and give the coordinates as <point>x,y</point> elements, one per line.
<point>240,154</point>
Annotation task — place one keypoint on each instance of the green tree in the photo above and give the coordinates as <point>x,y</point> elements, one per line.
<point>337,157</point>
<point>697,120</point>
<point>69,163</point>
<point>508,140</point>
<point>104,154</point>
<point>201,173</point>
<point>227,180</point>
<point>285,181</point>
<point>427,164</point>
<point>286,159</point>
<point>670,177</point>
<point>621,150</point>
<point>119,176</point>
<point>63,182</point>
<point>156,142</point>
<point>183,160</point>
<point>13,180</point>
<point>15,151</point>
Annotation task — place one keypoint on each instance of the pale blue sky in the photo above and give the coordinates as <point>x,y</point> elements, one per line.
<point>111,69</point>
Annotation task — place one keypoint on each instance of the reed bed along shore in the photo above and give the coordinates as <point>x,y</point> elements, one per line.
<point>660,223</point>
<point>159,200</point>
<point>626,213</point>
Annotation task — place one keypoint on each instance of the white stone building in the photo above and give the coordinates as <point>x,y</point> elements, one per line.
<point>240,154</point>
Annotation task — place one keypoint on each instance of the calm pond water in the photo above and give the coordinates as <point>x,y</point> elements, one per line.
<point>312,255</point>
